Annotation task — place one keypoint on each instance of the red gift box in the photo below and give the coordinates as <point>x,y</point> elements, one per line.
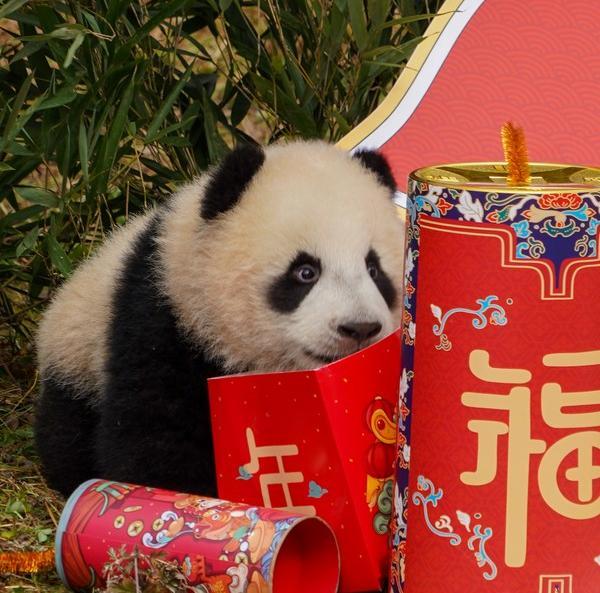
<point>220,546</point>
<point>320,442</point>
<point>502,379</point>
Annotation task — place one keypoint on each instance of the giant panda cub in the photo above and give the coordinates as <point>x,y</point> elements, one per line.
<point>285,258</point>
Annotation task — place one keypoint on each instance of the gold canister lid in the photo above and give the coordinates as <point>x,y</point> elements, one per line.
<point>493,177</point>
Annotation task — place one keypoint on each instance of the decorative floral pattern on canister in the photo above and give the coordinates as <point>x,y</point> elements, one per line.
<point>220,547</point>
<point>501,383</point>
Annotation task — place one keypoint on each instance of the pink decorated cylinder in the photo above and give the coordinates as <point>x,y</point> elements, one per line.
<point>221,546</point>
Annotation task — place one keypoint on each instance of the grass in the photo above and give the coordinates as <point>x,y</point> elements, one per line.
<point>29,510</point>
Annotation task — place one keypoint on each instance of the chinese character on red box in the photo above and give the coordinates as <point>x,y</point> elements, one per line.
<point>318,442</point>
<point>502,378</point>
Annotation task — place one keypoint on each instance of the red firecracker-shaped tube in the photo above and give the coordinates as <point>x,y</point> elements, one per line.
<point>501,353</point>
<point>221,547</point>
<point>319,442</point>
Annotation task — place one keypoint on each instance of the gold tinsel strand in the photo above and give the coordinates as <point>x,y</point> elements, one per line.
<point>515,154</point>
<point>26,562</point>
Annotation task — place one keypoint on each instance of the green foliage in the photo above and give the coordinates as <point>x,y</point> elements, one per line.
<point>106,106</point>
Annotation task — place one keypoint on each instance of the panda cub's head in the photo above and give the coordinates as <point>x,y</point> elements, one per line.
<point>286,258</point>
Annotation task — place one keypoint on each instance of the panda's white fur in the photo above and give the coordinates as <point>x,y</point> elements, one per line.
<point>307,196</point>
<point>214,276</point>
<point>72,335</point>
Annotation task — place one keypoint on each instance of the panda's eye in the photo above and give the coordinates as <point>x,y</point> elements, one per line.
<point>372,269</point>
<point>306,273</point>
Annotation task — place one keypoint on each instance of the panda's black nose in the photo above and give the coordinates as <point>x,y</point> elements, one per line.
<point>359,331</point>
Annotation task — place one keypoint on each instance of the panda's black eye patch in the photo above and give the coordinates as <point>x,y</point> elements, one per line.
<point>289,290</point>
<point>380,278</point>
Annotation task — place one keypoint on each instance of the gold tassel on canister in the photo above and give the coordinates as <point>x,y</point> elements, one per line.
<point>515,154</point>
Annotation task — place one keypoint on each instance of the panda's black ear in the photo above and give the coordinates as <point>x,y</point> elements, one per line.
<point>376,162</point>
<point>230,179</point>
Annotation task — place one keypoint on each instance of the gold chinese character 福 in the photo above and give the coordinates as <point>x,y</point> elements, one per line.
<point>521,444</point>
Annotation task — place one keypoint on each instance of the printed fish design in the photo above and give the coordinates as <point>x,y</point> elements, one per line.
<point>316,491</point>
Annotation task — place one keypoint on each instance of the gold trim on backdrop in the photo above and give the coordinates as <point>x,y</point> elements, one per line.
<point>406,79</point>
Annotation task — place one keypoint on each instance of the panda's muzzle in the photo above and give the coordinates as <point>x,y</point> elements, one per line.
<point>355,335</point>
<point>321,358</point>
<point>359,331</point>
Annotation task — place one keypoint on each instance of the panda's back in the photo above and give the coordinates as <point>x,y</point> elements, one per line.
<point>73,333</point>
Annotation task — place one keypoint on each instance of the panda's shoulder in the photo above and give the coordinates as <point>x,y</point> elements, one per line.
<point>73,329</point>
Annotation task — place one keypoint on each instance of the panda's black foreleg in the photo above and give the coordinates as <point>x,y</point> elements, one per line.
<point>156,433</point>
<point>64,429</point>
<point>155,423</point>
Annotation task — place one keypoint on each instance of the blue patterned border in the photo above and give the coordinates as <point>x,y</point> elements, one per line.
<point>555,227</point>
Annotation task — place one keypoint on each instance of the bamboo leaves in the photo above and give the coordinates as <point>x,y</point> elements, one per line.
<point>106,107</point>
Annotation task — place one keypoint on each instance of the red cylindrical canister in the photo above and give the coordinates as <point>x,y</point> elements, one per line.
<point>501,383</point>
<point>222,547</point>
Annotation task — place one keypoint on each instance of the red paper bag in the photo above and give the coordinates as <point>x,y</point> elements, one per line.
<point>317,442</point>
